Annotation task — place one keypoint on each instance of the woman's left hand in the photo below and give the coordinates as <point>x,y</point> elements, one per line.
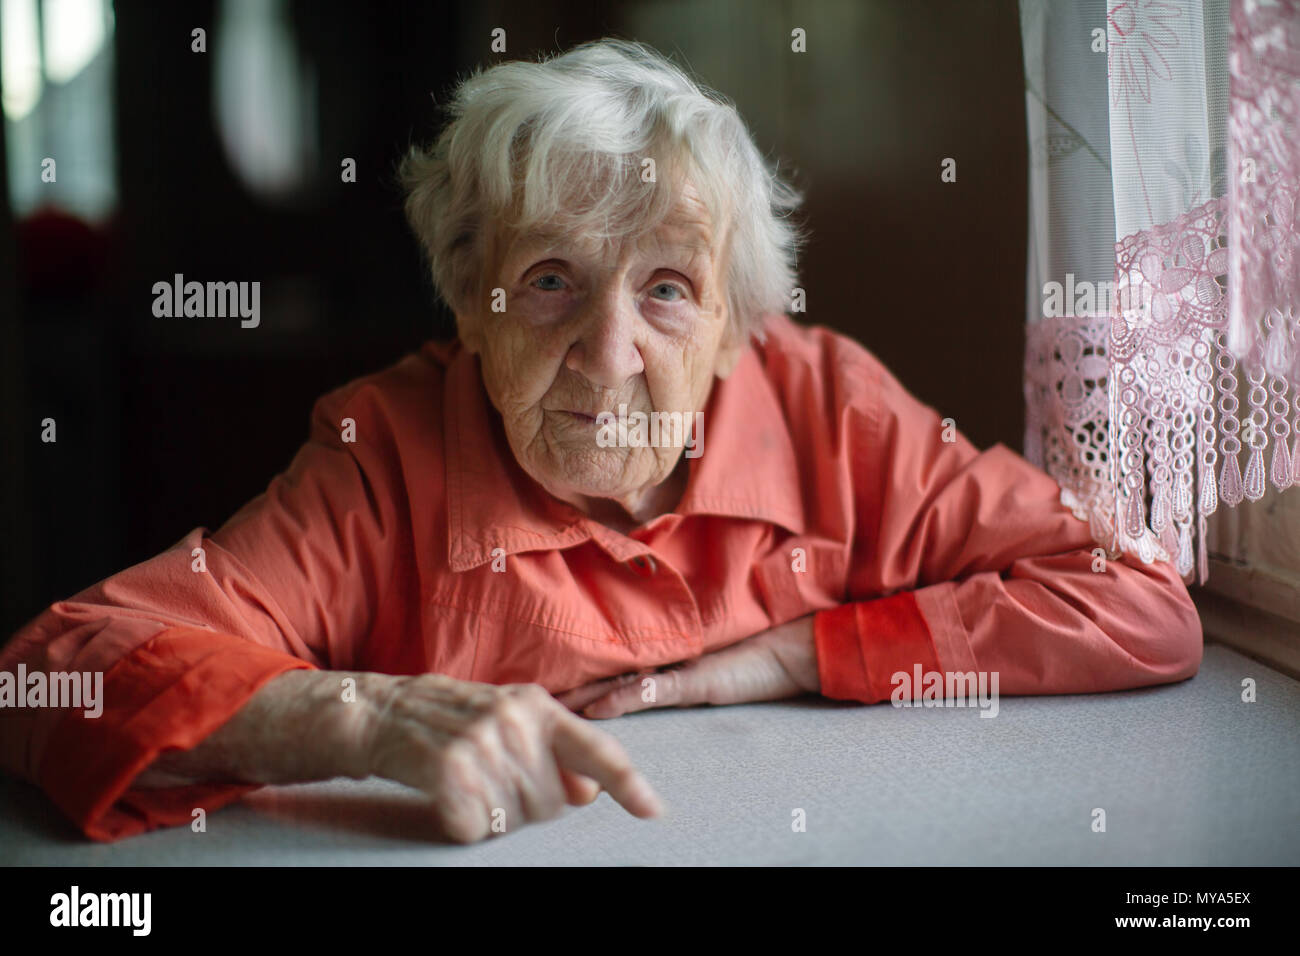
<point>772,665</point>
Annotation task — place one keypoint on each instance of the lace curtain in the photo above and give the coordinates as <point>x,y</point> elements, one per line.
<point>1164,262</point>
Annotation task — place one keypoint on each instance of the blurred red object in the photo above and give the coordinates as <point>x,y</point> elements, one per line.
<point>60,255</point>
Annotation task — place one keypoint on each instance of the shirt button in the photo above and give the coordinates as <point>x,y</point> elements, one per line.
<point>645,564</point>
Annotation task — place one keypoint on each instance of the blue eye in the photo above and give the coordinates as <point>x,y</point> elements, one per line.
<point>557,285</point>
<point>673,291</point>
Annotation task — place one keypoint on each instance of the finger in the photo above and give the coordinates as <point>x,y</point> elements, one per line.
<point>679,687</point>
<point>463,808</point>
<point>532,769</point>
<point>505,789</point>
<point>579,789</point>
<point>582,748</point>
<point>542,790</point>
<point>580,697</point>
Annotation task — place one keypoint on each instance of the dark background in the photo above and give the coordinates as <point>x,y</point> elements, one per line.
<point>168,424</point>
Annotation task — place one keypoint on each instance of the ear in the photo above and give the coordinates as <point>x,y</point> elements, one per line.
<point>730,350</point>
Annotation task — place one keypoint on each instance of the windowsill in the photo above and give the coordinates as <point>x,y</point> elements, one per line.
<point>1253,611</point>
<point>1257,584</point>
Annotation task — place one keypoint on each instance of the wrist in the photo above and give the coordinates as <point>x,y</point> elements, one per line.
<point>362,726</point>
<point>796,650</point>
<point>304,725</point>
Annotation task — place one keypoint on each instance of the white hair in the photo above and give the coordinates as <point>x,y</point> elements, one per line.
<point>559,145</point>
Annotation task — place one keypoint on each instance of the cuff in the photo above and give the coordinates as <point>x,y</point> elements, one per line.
<point>169,693</point>
<point>861,646</point>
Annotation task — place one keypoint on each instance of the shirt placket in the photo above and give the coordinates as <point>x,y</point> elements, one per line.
<point>673,595</point>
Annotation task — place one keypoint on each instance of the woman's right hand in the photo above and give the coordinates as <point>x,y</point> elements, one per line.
<point>485,754</point>
<point>504,755</point>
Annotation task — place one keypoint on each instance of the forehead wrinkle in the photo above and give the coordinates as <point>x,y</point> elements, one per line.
<point>670,243</point>
<point>696,251</point>
<point>691,226</point>
<point>687,227</point>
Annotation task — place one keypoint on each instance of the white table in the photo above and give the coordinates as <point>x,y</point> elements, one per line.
<point>1187,775</point>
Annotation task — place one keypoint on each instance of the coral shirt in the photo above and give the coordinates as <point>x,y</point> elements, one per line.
<point>823,488</point>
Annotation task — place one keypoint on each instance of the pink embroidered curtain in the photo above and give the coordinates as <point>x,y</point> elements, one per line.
<point>1164,261</point>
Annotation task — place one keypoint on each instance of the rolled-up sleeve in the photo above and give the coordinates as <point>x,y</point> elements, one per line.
<point>966,561</point>
<point>184,639</point>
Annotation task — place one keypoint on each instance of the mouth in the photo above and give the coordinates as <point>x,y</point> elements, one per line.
<point>581,417</point>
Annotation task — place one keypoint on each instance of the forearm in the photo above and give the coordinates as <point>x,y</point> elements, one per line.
<point>299,727</point>
<point>1053,625</point>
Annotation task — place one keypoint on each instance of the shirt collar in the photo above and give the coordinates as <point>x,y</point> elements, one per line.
<point>746,469</point>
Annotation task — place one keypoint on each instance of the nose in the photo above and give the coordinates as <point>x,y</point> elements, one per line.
<point>606,351</point>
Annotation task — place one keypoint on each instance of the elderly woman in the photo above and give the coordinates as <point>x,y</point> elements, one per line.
<point>631,482</point>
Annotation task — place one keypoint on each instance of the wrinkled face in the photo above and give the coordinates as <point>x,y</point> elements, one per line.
<point>588,327</point>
